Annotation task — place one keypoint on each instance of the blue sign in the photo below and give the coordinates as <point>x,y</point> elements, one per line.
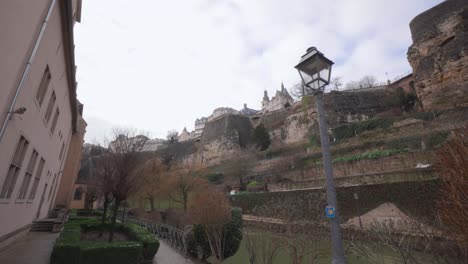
<point>330,211</point>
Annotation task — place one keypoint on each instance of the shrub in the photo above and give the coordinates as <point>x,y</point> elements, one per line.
<point>350,130</point>
<point>215,177</point>
<point>375,154</point>
<point>87,212</point>
<point>261,138</point>
<point>314,140</point>
<point>437,139</point>
<point>233,236</point>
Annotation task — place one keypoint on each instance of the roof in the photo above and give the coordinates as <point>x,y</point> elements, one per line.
<point>86,171</point>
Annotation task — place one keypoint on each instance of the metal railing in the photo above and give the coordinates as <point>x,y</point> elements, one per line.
<point>176,238</point>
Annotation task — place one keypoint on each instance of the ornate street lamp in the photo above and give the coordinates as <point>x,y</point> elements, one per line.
<point>315,71</point>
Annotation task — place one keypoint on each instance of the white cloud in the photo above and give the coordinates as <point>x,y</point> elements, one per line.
<point>157,65</point>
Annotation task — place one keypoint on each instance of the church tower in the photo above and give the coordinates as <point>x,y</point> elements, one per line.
<point>265,100</point>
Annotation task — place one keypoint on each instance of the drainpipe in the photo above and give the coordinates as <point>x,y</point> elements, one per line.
<point>27,69</point>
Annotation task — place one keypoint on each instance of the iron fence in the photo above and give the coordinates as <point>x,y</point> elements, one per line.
<point>176,238</point>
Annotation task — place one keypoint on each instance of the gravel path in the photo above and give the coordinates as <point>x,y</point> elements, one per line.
<point>167,255</point>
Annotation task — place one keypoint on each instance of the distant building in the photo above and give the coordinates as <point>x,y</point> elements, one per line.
<point>281,100</point>
<point>81,191</point>
<point>248,111</point>
<point>153,144</point>
<point>199,126</point>
<point>184,135</point>
<point>221,111</point>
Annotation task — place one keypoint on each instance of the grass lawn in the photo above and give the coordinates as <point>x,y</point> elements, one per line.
<point>323,247</point>
<point>159,204</point>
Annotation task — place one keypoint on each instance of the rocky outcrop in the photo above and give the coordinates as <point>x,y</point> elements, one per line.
<point>439,55</point>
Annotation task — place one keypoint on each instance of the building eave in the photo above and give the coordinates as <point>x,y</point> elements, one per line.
<point>66,8</point>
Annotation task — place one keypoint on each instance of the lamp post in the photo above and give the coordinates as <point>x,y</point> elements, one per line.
<point>315,71</point>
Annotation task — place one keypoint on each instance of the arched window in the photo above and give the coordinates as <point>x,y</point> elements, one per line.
<point>78,193</point>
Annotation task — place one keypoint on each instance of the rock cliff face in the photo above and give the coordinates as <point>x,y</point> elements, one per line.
<point>439,55</point>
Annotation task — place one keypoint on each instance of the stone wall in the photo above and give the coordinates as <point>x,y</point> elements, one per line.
<point>237,127</point>
<point>367,166</point>
<point>439,55</point>
<point>416,199</point>
<point>368,103</point>
<point>417,174</point>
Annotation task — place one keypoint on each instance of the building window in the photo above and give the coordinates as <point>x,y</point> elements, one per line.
<point>54,185</point>
<point>54,122</point>
<point>62,149</point>
<point>28,175</point>
<point>50,106</point>
<point>37,178</point>
<point>43,86</point>
<point>50,190</point>
<point>15,167</point>
<point>78,194</point>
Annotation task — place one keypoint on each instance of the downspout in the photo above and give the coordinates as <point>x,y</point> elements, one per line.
<point>27,69</point>
<point>61,172</point>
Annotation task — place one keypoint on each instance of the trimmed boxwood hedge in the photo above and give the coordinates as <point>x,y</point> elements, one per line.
<point>150,243</point>
<point>69,249</point>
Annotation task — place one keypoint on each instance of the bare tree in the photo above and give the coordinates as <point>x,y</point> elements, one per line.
<point>410,241</point>
<point>302,224</point>
<point>452,168</point>
<point>263,244</point>
<point>336,83</point>
<point>124,157</point>
<point>103,178</point>
<point>212,210</point>
<point>279,166</point>
<point>172,136</point>
<point>237,169</point>
<point>152,181</point>
<point>184,182</point>
<point>368,81</point>
<point>296,91</point>
<point>352,85</point>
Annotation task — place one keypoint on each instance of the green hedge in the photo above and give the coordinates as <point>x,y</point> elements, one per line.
<point>87,212</point>
<point>69,249</point>
<point>150,243</point>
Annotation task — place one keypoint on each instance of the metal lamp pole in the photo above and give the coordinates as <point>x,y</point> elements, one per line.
<point>337,244</point>
<point>315,71</point>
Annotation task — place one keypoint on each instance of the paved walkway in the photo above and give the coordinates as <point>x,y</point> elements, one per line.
<point>167,255</point>
<point>33,248</point>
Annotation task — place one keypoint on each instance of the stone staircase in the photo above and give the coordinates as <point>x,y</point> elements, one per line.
<point>53,222</point>
<point>43,225</point>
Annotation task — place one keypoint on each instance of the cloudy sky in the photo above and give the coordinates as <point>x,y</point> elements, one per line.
<point>158,65</point>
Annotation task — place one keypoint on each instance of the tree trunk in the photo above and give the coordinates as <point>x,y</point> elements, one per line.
<point>104,213</point>
<point>151,199</point>
<point>114,218</point>
<point>185,201</point>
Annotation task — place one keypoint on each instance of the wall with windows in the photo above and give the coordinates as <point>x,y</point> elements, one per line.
<point>35,144</point>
